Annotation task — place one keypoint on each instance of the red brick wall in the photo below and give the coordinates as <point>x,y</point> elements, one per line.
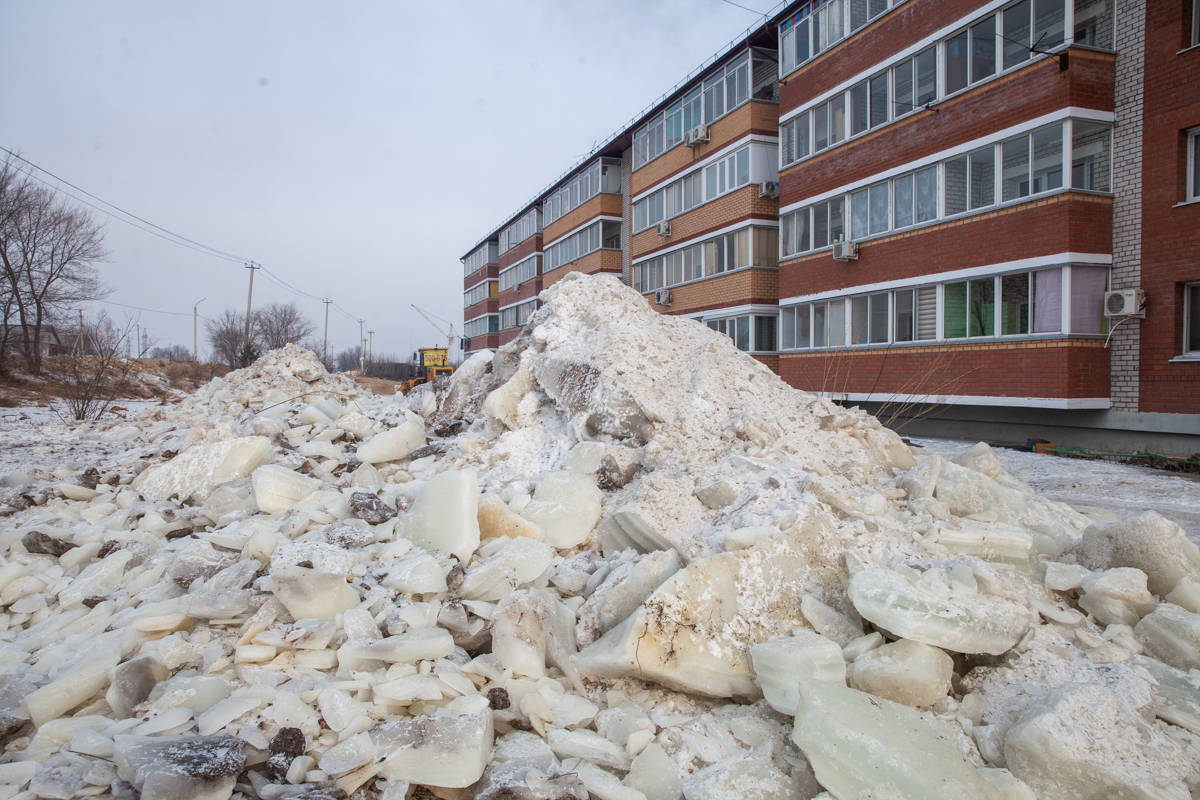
<point>1068,222</point>
<point>504,337</point>
<point>1017,97</point>
<point>488,341</point>
<point>736,206</point>
<point>482,274</point>
<point>601,204</point>
<point>599,261</point>
<point>527,291</point>
<point>521,252</point>
<point>877,42</point>
<point>489,306</point>
<point>1170,235</point>
<point>1057,368</point>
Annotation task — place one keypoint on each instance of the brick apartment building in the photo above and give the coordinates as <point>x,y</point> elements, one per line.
<point>918,206</point>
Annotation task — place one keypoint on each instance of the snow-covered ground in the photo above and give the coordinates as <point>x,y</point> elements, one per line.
<point>35,437</point>
<point>1122,489</point>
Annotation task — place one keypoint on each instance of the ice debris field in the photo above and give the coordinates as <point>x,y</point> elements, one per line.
<point>616,559</point>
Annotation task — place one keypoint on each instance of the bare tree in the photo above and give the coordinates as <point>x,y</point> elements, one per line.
<point>348,359</point>
<point>91,379</point>
<point>227,338</point>
<point>279,324</point>
<point>49,249</point>
<point>172,352</point>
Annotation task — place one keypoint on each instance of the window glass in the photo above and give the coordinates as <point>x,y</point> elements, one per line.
<point>820,128</point>
<point>983,177</point>
<point>802,326</point>
<point>1016,33</point>
<point>1192,334</point>
<point>1094,22</point>
<point>1091,154</point>
<point>879,99</point>
<point>820,225</point>
<point>903,188</point>
<point>858,320</point>
<point>743,166</point>
<point>837,119</point>
<point>903,77</point>
<point>982,311</point>
<point>1014,168</point>
<point>905,318</point>
<point>879,207</point>
<point>787,329</point>
<point>858,14</point>
<point>1048,23</point>
<point>1195,152</point>
<point>837,209</point>
<point>956,63</point>
<point>1047,159</point>
<point>983,49</point>
<point>859,120</point>
<point>820,333</point>
<point>859,214</point>
<point>926,301</point>
<point>955,310</point>
<point>1087,299</point>
<point>927,194</point>
<point>764,334</point>
<point>956,186</point>
<point>926,64</point>
<point>1047,301</point>
<point>836,318</point>
<point>1014,304</point>
<point>879,318</point>
<point>742,338</point>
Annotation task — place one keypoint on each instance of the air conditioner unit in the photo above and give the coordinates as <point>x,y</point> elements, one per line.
<point>845,251</point>
<point>768,189</point>
<point>697,135</point>
<point>1125,303</point>
<point>662,297</point>
<point>664,229</point>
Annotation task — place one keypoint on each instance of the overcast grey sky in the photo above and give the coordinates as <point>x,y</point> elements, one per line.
<point>356,150</point>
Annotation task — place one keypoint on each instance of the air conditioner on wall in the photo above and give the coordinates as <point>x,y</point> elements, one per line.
<point>662,297</point>
<point>845,251</point>
<point>664,229</point>
<point>1125,303</point>
<point>697,135</point>
<point>768,189</point>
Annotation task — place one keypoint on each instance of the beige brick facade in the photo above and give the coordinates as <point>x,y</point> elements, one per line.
<point>737,206</point>
<point>747,285</point>
<point>601,205</point>
<point>599,261</point>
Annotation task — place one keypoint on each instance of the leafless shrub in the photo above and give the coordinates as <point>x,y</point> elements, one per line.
<point>172,352</point>
<point>90,380</point>
<point>226,335</point>
<point>349,359</point>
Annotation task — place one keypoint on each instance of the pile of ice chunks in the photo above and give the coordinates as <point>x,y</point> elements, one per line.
<point>617,559</point>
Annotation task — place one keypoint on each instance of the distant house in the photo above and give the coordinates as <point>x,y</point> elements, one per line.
<point>51,344</point>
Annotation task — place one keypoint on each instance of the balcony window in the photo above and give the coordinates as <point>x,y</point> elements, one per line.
<point>517,274</point>
<point>1091,155</point>
<point>479,293</point>
<point>481,326</point>
<point>486,254</point>
<point>527,225</point>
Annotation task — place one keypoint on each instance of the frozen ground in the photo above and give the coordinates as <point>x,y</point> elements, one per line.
<point>34,437</point>
<point>1124,490</point>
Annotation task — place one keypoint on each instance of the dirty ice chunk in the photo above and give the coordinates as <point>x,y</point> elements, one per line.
<point>421,644</point>
<point>349,754</point>
<point>1177,693</point>
<point>626,588</point>
<point>779,662</point>
<point>278,488</point>
<point>1081,742</point>
<point>856,744</point>
<point>61,695</point>
<point>416,575</point>
<point>496,519</point>
<point>1172,635</point>
<point>436,751</point>
<point>566,505</point>
<point>131,684</point>
<point>981,459</point>
<point>754,778</point>
<point>905,672</point>
<point>828,622</point>
<point>392,445</point>
<point>309,594</point>
<point>532,628</point>
<point>1156,546</point>
<point>655,775</point>
<point>587,745</point>
<point>920,481</point>
<point>980,623</point>
<point>199,468</point>
<point>97,579</point>
<point>445,516</point>
<point>356,423</point>
<point>179,767</point>
<point>516,563</point>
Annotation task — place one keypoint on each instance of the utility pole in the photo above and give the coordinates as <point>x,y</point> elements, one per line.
<point>362,362</point>
<point>79,335</point>
<point>325,346</point>
<point>196,330</point>
<point>371,349</point>
<point>249,296</point>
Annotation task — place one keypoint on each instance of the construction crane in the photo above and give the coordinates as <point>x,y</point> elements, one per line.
<point>432,361</point>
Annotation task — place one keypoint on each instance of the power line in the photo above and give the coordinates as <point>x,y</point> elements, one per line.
<point>213,250</point>
<point>744,8</point>
<point>151,310</point>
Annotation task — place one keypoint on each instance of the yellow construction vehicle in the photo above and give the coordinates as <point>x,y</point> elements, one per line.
<point>432,362</point>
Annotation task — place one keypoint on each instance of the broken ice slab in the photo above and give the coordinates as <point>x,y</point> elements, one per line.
<point>979,623</point>
<point>278,488</point>
<point>218,604</point>
<point>920,481</point>
<point>436,751</point>
<point>516,563</point>
<point>626,588</point>
<point>61,695</point>
<point>422,644</point>
<point>829,622</point>
<point>904,671</point>
<point>132,682</point>
<point>741,778</point>
<point>496,519</point>
<point>1065,577</point>
<point>309,594</point>
<point>96,580</point>
<point>1177,693</point>
<point>587,745</point>
<point>199,468</point>
<point>180,767</point>
<point>655,774</point>
<point>981,458</point>
<point>1186,595</point>
<point>1172,635</point>
<point>393,444</point>
<point>693,633</point>
<point>997,542</point>
<point>356,423</point>
<point>566,505</point>
<point>779,662</point>
<point>416,575</point>
<point>857,744</point>
<point>445,516</point>
<point>348,754</point>
<point>1082,742</point>
<point>1156,546</point>
<point>531,629</point>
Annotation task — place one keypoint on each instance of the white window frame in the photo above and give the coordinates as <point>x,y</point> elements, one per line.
<point>1193,153</point>
<point>1195,23</point>
<point>760,166</point>
<point>1190,314</point>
